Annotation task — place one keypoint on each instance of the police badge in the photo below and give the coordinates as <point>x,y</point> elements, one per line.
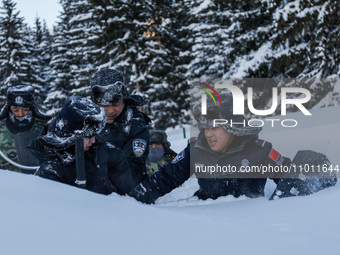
<point>179,157</point>
<point>19,100</point>
<point>139,147</point>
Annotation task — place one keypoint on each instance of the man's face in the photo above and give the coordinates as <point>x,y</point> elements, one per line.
<point>88,141</point>
<point>113,111</point>
<point>218,139</point>
<point>19,111</point>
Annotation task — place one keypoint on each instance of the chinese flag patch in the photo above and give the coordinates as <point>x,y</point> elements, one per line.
<point>274,155</point>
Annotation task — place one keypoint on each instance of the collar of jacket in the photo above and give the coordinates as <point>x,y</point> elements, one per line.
<point>237,145</point>
<point>14,128</point>
<point>124,120</point>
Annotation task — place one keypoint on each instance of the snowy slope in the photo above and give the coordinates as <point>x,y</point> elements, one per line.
<point>39,216</point>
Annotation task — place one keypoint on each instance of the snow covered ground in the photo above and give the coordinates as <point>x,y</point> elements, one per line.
<point>39,216</point>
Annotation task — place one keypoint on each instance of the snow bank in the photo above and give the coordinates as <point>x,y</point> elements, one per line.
<point>40,216</point>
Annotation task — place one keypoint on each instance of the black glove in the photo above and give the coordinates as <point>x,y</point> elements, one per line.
<point>301,187</point>
<point>141,195</point>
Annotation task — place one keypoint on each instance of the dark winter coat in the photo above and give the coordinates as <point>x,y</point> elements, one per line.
<point>254,150</point>
<point>130,135</point>
<point>250,148</point>
<point>101,161</point>
<point>178,171</point>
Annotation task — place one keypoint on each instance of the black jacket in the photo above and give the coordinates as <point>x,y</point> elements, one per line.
<point>105,172</point>
<point>178,171</point>
<point>249,149</point>
<point>130,135</point>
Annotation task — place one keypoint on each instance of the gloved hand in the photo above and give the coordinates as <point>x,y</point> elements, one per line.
<point>141,195</point>
<point>301,187</point>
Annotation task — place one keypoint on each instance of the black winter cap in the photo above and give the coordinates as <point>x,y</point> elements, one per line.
<point>157,136</point>
<point>77,114</point>
<point>20,96</point>
<point>236,124</point>
<point>107,87</point>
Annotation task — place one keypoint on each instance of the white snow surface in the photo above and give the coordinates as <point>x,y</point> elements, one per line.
<point>39,216</point>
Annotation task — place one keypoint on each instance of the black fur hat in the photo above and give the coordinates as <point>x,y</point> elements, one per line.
<point>107,87</point>
<point>225,112</point>
<point>20,96</point>
<point>77,114</point>
<point>158,136</point>
<point>23,96</point>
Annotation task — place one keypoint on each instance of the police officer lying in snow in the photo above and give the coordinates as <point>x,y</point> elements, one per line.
<point>105,171</point>
<point>126,127</point>
<point>226,145</point>
<point>18,115</point>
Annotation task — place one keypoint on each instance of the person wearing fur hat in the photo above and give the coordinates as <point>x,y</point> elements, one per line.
<point>105,171</point>
<point>160,152</point>
<point>18,115</point>
<point>126,127</point>
<point>234,145</point>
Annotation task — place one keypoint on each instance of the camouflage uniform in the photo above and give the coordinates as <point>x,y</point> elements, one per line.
<point>154,166</point>
<point>159,137</point>
<point>7,145</point>
<point>10,124</point>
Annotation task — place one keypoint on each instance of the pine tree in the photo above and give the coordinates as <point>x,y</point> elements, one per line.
<point>162,45</point>
<point>208,32</point>
<point>45,46</point>
<point>61,62</point>
<point>15,49</point>
<point>39,58</point>
<point>81,47</point>
<point>304,45</point>
<point>168,84</point>
<point>159,54</point>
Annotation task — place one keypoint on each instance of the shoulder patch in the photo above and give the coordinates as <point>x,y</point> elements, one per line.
<point>178,158</point>
<point>139,147</point>
<point>276,156</point>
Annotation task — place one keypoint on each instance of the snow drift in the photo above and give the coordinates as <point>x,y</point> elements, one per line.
<point>40,216</point>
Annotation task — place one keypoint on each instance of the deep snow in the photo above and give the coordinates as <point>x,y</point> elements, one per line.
<point>40,216</point>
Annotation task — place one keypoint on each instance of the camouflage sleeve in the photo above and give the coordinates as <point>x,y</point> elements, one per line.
<point>7,146</point>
